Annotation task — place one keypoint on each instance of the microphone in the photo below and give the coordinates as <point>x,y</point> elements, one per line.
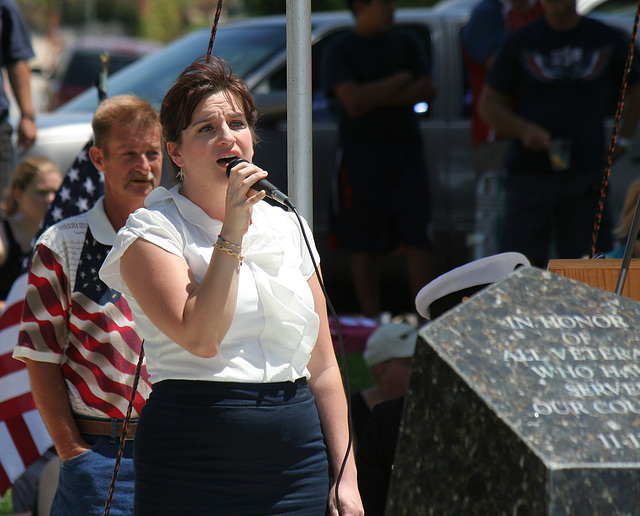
<point>263,184</point>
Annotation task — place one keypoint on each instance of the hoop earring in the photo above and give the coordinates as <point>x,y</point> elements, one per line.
<point>180,175</point>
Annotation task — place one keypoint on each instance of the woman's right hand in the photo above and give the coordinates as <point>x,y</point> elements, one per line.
<point>350,502</point>
<point>241,199</point>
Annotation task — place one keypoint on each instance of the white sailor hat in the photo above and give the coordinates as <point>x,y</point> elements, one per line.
<point>392,340</point>
<point>449,289</point>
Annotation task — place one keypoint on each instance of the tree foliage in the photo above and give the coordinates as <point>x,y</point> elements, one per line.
<point>162,20</point>
<point>262,7</point>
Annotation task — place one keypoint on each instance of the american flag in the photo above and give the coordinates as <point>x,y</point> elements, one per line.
<point>23,436</point>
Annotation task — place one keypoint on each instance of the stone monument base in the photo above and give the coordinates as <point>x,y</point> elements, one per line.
<point>524,401</point>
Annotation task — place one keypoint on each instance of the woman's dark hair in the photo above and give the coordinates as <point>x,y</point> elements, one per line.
<point>205,76</point>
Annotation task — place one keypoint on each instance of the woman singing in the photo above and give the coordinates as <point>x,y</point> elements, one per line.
<point>247,415</point>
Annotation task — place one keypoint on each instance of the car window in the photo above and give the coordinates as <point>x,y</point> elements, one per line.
<point>278,80</point>
<point>85,67</point>
<point>244,49</point>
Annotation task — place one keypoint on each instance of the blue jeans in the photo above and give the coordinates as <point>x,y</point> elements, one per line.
<point>84,482</point>
<point>542,208</point>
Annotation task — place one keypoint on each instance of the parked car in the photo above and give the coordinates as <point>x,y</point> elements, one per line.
<point>256,50</point>
<point>79,65</point>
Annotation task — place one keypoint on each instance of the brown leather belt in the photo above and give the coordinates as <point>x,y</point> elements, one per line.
<point>105,427</point>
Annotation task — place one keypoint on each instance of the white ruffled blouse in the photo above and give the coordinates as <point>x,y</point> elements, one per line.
<point>275,326</point>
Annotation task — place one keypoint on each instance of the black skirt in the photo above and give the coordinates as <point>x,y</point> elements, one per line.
<point>219,448</point>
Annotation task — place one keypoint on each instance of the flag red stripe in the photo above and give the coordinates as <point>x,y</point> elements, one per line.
<point>108,324</point>
<point>116,360</point>
<point>12,314</point>
<point>5,483</point>
<point>8,364</point>
<point>46,329</point>
<point>48,259</point>
<point>105,383</point>
<point>16,406</point>
<point>56,307</point>
<point>123,364</point>
<point>22,438</point>
<point>87,396</point>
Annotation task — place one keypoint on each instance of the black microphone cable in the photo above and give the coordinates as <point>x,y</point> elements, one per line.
<point>343,358</point>
<point>277,195</point>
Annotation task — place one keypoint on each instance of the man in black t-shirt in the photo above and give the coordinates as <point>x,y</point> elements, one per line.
<point>377,74</point>
<point>549,89</point>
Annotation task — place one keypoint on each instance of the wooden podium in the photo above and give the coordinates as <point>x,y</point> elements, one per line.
<point>600,273</point>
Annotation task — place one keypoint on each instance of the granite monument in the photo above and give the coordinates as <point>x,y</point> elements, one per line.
<point>524,400</point>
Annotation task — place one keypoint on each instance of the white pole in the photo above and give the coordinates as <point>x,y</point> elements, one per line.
<point>299,127</point>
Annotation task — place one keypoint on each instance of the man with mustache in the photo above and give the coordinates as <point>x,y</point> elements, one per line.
<point>77,336</point>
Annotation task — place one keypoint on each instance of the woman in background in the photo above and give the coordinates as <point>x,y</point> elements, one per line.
<point>621,231</point>
<point>33,187</point>
<point>247,415</point>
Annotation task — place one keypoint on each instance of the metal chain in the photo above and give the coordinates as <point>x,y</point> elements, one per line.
<point>214,27</point>
<point>123,437</point>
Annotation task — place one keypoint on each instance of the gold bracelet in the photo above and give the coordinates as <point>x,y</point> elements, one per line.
<point>229,251</point>
<point>235,246</point>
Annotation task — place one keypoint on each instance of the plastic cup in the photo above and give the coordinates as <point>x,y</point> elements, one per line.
<point>560,154</point>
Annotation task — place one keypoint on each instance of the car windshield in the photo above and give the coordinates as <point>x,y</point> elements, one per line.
<point>85,66</point>
<point>243,48</point>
